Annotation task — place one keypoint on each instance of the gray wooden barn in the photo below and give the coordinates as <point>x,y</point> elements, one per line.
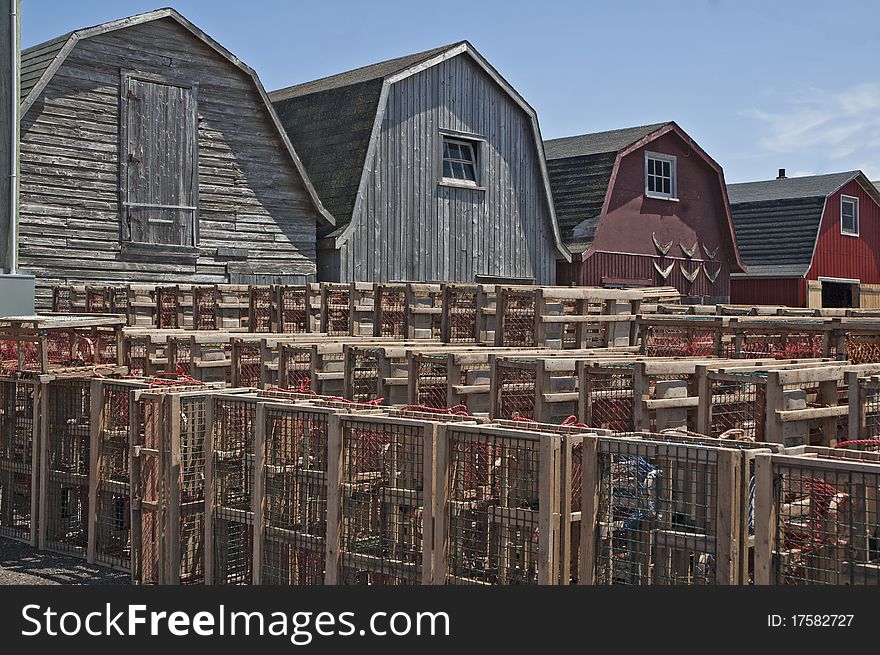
<point>150,153</point>
<point>432,166</point>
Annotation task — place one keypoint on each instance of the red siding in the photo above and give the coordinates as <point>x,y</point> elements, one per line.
<point>773,291</point>
<point>603,268</point>
<point>843,256</point>
<point>624,248</point>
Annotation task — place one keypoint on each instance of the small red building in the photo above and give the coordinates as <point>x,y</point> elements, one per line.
<point>643,206</point>
<point>808,241</point>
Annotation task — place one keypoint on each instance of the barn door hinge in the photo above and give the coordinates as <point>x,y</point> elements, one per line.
<point>132,159</point>
<point>131,95</point>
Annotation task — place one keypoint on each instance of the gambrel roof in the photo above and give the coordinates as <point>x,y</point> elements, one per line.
<point>777,221</point>
<point>334,122</point>
<point>39,64</point>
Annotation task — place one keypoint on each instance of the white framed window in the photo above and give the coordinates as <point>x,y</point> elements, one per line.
<point>460,161</point>
<point>849,216</point>
<point>660,178</point>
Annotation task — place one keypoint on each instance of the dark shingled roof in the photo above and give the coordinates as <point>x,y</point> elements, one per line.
<point>580,170</point>
<point>36,59</point>
<point>777,221</point>
<point>330,122</point>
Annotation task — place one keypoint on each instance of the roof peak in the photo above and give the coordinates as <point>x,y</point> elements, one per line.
<point>595,143</point>
<point>378,70</point>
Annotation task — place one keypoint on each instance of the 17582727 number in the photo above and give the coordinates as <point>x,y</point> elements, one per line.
<point>810,620</point>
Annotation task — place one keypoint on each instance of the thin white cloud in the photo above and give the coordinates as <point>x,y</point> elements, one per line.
<point>831,130</point>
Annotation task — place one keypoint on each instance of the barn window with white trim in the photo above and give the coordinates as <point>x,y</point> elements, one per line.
<point>660,179</point>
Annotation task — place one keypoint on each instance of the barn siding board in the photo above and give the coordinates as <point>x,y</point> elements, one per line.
<point>250,194</point>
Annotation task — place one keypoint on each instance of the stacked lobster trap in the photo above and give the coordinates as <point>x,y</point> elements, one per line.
<point>817,518</point>
<point>19,457</point>
<point>660,513</point>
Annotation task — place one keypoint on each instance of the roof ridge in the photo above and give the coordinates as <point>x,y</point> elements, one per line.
<point>406,62</point>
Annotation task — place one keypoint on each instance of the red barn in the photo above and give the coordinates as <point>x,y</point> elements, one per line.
<point>808,241</point>
<point>643,206</point>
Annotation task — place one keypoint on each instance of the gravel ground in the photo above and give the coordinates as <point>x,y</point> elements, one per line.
<point>20,564</point>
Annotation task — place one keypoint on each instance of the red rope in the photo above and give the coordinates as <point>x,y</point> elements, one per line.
<point>375,401</point>
<point>455,410</point>
<point>859,442</point>
<point>572,421</point>
<point>522,419</point>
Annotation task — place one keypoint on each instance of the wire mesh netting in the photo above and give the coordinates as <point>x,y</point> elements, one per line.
<point>336,311</point>
<point>138,354</point>
<point>98,300</point>
<point>431,382</point>
<point>460,307</point>
<point>16,451</point>
<point>294,312</point>
<point>827,527</point>
<point>492,514</point>
<point>871,396</point>
<point>113,516</point>
<point>62,300</point>
<point>167,307</point>
<point>296,367</point>
<point>667,341</point>
<point>249,364</point>
<point>182,355</point>
<point>203,306</point>
<point>260,319</point>
<point>657,514</point>
<point>609,398</point>
<point>193,432</point>
<point>392,312</point>
<point>67,466</point>
<point>781,346</point>
<point>383,503</point>
<point>147,491</point>
<point>862,348</point>
<point>738,405</point>
<point>232,490</point>
<point>295,497</point>
<point>516,389</point>
<point>363,373</point>
<point>518,322</point>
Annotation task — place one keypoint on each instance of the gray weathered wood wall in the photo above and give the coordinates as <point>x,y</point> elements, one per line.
<point>256,219</point>
<point>410,227</point>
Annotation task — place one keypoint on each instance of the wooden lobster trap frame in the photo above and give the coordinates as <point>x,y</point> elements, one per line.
<point>660,513</point>
<point>468,313</point>
<point>817,518</point>
<point>864,406</point>
<point>294,308</point>
<point>168,482</point>
<point>49,344</point>
<point>497,506</point>
<point>380,517</point>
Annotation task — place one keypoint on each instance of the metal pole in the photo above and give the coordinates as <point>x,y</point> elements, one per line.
<point>14,99</point>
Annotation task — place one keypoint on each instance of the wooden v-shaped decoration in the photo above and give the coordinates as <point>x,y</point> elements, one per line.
<point>664,273</point>
<point>713,276</point>
<point>710,253</point>
<point>689,251</point>
<point>690,277</point>
<point>661,247</point>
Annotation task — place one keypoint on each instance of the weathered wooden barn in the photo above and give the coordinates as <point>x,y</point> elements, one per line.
<point>643,206</point>
<point>150,153</point>
<point>808,241</point>
<point>433,168</point>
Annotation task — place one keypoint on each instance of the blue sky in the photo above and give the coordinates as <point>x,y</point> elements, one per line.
<point>759,85</point>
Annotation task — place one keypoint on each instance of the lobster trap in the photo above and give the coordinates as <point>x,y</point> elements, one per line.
<point>818,519</point>
<point>290,500</point>
<point>204,299</point>
<point>380,501</point>
<point>297,366</point>
<point>168,308</point>
<point>336,309</point>
<point>656,513</point>
<point>250,367</point>
<point>497,506</point>
<point>20,418</point>
<point>262,309</point>
<point>294,308</point>
<point>65,462</point>
<point>468,313</point>
<point>391,310</point>
<point>679,337</point>
<point>168,470</point>
<point>230,476</point>
<point>515,323</point>
<point>49,344</point>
